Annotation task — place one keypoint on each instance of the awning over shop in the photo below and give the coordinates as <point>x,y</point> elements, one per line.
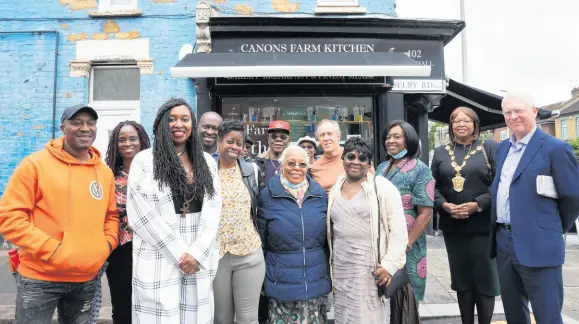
<point>229,65</point>
<point>485,104</point>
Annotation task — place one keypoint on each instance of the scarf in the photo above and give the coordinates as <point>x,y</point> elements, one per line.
<point>297,191</point>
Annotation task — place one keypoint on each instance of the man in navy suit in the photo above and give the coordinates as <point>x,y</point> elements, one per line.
<point>527,228</point>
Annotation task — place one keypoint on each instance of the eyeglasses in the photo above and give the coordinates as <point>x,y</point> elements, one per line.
<point>292,164</point>
<point>307,147</point>
<point>362,157</point>
<point>462,121</point>
<point>274,137</point>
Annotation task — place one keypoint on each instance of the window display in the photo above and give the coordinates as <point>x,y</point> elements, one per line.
<point>354,114</point>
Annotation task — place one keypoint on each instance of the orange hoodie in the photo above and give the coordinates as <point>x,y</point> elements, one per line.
<point>62,225</point>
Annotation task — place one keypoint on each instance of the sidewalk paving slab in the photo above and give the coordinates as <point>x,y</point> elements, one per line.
<point>440,301</point>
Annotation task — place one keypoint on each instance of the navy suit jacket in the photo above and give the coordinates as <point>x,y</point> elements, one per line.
<point>538,222</point>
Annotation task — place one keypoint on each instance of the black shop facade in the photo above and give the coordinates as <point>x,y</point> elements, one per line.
<point>360,71</point>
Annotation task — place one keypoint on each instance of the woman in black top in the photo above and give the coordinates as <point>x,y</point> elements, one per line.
<point>464,170</point>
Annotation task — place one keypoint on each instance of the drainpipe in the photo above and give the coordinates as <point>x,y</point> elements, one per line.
<point>55,81</point>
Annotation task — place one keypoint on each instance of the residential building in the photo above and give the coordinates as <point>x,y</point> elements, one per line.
<point>567,123</point>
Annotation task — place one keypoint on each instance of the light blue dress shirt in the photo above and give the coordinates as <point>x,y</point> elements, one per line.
<point>509,167</point>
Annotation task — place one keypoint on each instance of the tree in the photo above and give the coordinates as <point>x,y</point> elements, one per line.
<point>486,135</point>
<point>575,145</point>
<point>432,135</point>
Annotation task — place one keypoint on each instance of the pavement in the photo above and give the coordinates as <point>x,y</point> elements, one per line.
<point>439,307</point>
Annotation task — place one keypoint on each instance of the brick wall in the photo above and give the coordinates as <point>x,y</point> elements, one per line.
<point>26,92</point>
<point>27,68</point>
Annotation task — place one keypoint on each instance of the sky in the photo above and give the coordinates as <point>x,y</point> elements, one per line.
<point>527,45</point>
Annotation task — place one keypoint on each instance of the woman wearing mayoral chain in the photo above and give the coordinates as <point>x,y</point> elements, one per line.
<point>464,171</point>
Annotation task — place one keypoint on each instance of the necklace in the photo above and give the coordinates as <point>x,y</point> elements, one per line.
<point>180,153</point>
<point>458,180</point>
<point>185,206</point>
<point>274,167</point>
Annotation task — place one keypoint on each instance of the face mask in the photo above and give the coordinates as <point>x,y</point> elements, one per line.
<point>291,185</point>
<point>399,155</point>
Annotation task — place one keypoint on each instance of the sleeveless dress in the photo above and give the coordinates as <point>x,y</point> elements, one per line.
<point>355,291</point>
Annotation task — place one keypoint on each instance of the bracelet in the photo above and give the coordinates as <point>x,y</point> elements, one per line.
<point>408,248</point>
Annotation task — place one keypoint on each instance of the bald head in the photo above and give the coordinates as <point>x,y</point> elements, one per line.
<point>208,127</point>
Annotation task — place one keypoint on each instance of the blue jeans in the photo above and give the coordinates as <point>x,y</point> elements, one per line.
<point>37,299</point>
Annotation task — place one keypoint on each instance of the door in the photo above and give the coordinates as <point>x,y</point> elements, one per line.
<point>115,95</point>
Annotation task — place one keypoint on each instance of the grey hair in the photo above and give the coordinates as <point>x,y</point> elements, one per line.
<point>334,125</point>
<point>294,148</point>
<point>518,97</point>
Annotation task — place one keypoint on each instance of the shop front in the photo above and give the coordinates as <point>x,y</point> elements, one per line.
<point>360,71</point>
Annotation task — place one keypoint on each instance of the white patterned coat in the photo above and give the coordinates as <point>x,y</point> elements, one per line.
<point>162,294</point>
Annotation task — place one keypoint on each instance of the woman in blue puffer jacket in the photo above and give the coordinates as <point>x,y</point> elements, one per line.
<point>292,223</point>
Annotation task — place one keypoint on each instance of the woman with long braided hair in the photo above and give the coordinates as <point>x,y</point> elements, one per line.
<point>174,207</point>
<point>127,139</point>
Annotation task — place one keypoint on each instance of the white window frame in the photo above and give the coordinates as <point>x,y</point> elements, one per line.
<point>504,134</point>
<point>333,3</point>
<point>111,104</point>
<point>106,5</point>
<point>576,126</point>
<point>563,135</point>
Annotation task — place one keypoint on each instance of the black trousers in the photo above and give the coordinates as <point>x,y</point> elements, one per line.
<point>120,277</point>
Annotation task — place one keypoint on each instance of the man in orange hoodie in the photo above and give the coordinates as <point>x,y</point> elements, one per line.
<point>59,208</point>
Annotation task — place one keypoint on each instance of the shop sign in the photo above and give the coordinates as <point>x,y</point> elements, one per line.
<point>299,80</point>
<point>424,52</point>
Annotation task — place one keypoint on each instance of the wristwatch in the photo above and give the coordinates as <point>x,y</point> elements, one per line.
<point>479,207</point>
<point>408,248</point>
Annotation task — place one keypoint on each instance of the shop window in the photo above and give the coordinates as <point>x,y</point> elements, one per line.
<point>354,114</point>
<point>111,5</point>
<point>564,128</point>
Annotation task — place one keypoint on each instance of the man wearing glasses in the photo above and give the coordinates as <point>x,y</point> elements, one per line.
<point>535,200</point>
<point>278,138</point>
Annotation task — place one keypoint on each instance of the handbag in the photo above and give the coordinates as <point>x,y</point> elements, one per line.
<point>399,278</point>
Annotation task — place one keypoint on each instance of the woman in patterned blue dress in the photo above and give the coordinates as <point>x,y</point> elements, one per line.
<point>416,185</point>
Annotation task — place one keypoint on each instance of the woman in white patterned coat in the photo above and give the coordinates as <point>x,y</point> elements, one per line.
<point>173,207</point>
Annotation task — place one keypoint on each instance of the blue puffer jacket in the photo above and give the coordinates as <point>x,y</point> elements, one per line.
<point>294,240</point>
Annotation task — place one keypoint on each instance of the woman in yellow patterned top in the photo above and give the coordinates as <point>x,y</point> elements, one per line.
<point>241,270</point>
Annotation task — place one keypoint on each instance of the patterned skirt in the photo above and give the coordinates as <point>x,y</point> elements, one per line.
<point>313,311</point>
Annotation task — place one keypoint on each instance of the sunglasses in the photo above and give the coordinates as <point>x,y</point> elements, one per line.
<point>283,137</point>
<point>292,164</point>
<point>362,158</point>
